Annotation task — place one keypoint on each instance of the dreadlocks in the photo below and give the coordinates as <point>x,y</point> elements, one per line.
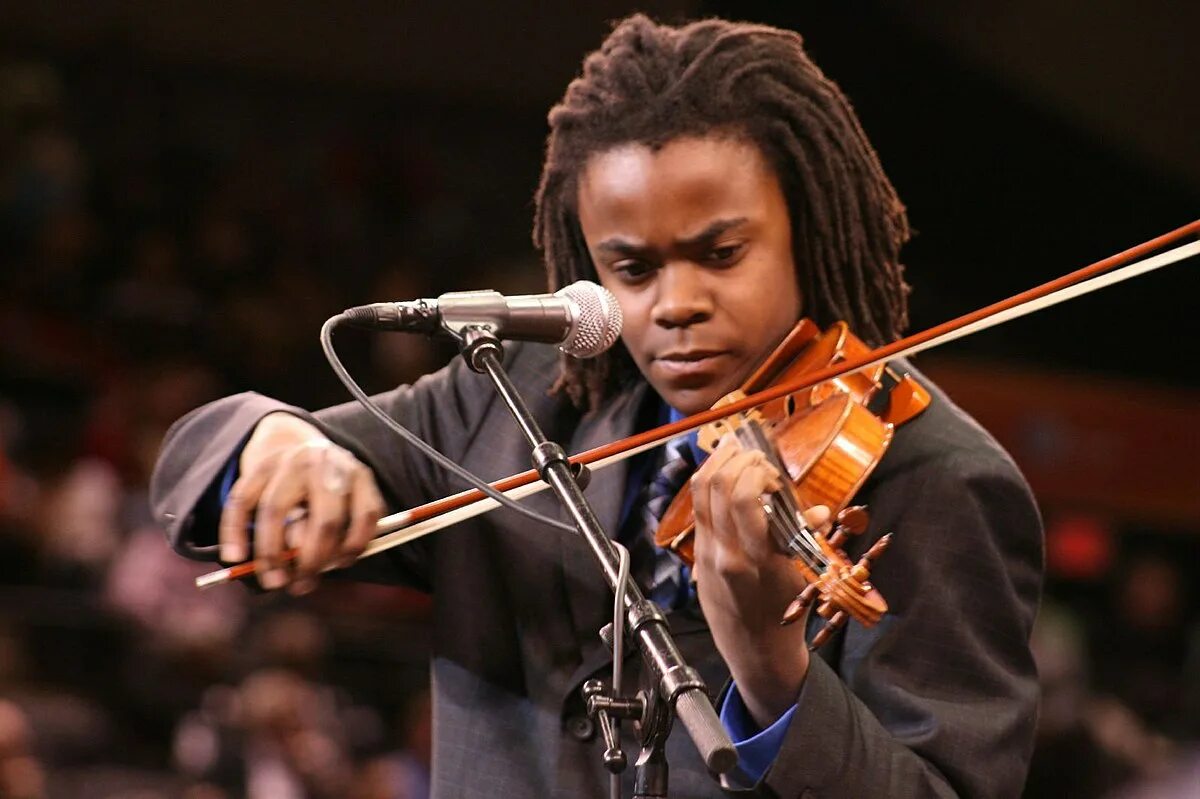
<point>650,84</point>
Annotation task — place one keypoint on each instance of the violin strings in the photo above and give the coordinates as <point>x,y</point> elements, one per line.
<point>794,535</point>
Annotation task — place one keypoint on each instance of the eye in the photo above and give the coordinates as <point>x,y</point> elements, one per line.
<point>632,271</point>
<point>726,253</point>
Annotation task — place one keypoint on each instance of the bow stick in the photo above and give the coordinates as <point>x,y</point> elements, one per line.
<point>400,528</point>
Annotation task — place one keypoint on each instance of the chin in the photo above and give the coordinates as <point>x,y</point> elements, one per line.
<point>689,395</point>
<point>690,401</point>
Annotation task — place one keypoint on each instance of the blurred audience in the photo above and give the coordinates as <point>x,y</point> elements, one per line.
<point>144,271</point>
<point>21,775</point>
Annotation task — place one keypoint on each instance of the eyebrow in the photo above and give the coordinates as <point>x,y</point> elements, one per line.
<point>626,247</point>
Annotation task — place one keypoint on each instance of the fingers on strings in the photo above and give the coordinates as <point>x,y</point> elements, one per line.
<point>727,495</point>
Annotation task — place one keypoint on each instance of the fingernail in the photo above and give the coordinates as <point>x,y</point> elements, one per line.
<point>275,578</point>
<point>233,553</point>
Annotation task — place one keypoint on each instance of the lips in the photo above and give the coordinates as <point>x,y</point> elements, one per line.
<point>689,364</point>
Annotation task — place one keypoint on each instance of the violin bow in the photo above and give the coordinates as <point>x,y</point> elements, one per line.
<point>407,525</point>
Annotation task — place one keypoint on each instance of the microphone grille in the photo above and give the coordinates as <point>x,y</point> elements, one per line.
<point>597,322</point>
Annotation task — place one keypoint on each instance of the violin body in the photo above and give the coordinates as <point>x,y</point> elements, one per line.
<point>828,452</point>
<point>893,398</point>
<point>827,440</point>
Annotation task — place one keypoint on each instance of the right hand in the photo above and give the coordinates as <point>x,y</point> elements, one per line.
<point>287,464</point>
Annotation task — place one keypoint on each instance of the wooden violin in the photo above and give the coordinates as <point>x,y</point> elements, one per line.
<point>826,440</point>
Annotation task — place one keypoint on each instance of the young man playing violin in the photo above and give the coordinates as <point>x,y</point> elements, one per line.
<point>720,186</point>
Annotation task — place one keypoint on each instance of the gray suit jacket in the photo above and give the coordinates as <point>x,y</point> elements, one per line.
<point>937,700</point>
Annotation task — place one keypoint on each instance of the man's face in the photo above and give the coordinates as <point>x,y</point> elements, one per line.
<point>695,242</point>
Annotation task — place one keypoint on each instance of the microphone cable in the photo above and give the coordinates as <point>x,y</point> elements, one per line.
<point>414,440</point>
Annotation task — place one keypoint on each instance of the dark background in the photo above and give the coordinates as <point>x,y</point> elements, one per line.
<point>187,192</point>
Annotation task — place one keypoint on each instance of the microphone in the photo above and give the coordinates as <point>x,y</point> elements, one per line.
<point>583,318</point>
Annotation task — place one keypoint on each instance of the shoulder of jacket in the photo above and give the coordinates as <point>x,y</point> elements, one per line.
<point>946,438</point>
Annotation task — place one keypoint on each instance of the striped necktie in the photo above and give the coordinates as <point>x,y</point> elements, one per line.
<point>663,576</point>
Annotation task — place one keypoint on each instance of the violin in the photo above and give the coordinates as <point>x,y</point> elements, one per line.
<point>826,439</point>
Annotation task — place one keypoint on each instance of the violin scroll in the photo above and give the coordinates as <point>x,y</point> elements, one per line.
<point>841,591</point>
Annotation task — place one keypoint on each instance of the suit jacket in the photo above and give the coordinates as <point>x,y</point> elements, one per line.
<point>939,699</point>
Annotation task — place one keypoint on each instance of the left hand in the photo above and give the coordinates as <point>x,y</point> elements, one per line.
<point>745,582</point>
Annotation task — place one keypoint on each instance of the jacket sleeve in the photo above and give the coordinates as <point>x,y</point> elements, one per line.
<point>443,408</point>
<point>940,698</point>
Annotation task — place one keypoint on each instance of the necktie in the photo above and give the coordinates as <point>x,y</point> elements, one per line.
<point>661,574</point>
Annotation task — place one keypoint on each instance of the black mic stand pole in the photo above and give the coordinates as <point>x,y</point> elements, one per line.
<point>679,685</point>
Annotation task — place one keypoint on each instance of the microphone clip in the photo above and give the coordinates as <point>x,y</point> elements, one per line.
<point>474,340</point>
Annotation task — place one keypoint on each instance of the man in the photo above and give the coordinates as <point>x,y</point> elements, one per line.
<point>721,187</point>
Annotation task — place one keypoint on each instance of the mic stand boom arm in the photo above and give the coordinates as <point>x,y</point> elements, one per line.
<point>679,685</point>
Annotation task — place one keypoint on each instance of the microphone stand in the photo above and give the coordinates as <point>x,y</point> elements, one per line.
<point>679,687</point>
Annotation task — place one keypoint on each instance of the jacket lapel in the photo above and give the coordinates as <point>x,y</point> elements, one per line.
<point>588,593</point>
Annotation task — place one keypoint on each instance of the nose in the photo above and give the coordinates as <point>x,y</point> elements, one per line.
<point>682,298</point>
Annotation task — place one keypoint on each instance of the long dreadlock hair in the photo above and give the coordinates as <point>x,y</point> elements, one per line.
<point>651,84</point>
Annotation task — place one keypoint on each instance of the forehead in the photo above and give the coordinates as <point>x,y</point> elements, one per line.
<point>675,189</point>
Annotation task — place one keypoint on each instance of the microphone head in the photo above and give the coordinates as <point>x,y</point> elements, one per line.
<point>596,322</point>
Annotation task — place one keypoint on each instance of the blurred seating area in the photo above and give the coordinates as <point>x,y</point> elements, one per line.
<point>163,243</point>
<point>171,234</point>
